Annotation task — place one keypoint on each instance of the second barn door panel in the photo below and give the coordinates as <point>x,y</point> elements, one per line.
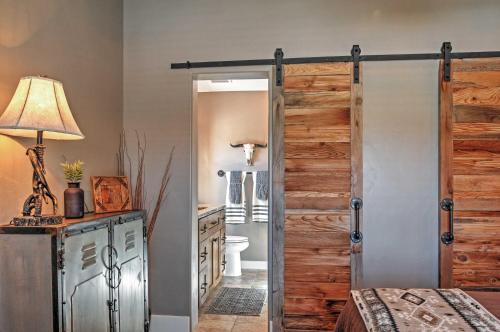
<point>470,174</point>
<point>322,117</point>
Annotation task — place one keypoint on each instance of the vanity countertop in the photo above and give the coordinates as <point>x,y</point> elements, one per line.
<point>207,209</point>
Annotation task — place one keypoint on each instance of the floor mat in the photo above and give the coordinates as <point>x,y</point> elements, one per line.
<point>238,301</point>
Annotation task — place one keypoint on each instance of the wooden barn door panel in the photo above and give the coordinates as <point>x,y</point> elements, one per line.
<point>319,181</point>
<point>470,173</point>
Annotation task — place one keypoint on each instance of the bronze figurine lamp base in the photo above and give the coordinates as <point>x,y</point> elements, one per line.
<point>32,208</point>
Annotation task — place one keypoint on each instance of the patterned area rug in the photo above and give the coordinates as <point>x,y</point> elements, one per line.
<point>238,301</point>
<point>393,309</point>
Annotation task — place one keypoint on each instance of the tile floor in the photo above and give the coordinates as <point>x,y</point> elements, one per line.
<point>232,323</point>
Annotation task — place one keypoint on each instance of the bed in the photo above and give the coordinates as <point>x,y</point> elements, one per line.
<point>383,309</point>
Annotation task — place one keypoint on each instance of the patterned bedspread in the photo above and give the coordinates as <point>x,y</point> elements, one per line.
<point>394,309</point>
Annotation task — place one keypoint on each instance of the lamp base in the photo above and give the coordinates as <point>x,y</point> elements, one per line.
<point>36,220</point>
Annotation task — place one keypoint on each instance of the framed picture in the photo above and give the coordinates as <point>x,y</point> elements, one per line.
<point>110,193</point>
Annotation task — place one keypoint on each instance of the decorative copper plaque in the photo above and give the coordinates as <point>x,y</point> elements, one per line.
<point>110,193</point>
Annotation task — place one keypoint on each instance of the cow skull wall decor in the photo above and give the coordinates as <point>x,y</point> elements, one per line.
<point>249,149</point>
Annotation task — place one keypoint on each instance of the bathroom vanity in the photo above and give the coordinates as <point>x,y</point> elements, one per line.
<point>211,249</point>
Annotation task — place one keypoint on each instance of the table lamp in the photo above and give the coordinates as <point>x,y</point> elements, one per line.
<point>39,109</point>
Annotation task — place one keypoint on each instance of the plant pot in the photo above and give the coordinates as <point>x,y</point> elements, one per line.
<point>73,201</point>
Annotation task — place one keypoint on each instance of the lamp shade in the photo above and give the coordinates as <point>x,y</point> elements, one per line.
<point>39,104</point>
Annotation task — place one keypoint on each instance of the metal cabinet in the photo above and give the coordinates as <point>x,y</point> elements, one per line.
<point>83,275</point>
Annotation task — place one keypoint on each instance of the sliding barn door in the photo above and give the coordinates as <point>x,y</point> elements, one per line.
<point>322,151</point>
<point>470,174</point>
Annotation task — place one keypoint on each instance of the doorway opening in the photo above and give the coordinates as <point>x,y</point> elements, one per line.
<point>231,201</point>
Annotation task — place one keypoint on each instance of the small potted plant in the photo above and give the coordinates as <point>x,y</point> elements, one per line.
<point>73,195</point>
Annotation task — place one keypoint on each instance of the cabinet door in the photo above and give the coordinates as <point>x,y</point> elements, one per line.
<point>85,288</point>
<point>128,240</point>
<point>215,244</point>
<point>203,286</point>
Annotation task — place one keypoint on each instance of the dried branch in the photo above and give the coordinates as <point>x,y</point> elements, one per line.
<point>138,182</point>
<point>120,155</point>
<point>162,195</point>
<point>139,197</point>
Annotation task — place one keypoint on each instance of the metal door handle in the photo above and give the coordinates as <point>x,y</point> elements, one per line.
<point>356,204</point>
<point>110,256</point>
<point>448,237</point>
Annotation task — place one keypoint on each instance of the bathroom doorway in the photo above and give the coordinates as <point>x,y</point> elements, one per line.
<point>231,196</point>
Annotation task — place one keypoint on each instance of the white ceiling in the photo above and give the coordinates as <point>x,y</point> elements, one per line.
<point>233,85</point>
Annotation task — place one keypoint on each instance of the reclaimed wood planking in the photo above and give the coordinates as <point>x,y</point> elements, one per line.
<point>475,166</point>
<point>317,193</point>
<point>318,83</point>
<point>476,114</point>
<point>315,116</point>
<point>318,150</point>
<point>445,173</point>
<point>339,68</point>
<point>278,205</point>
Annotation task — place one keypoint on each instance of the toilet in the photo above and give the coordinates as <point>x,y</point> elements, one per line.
<point>234,246</point>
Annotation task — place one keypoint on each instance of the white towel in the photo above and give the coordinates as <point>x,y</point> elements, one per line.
<point>260,208</point>
<point>235,213</point>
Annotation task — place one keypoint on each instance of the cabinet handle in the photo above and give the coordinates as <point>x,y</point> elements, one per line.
<point>114,253</point>
<point>204,255</point>
<point>448,237</point>
<point>204,229</point>
<point>204,284</point>
<point>119,277</point>
<point>224,263</point>
<point>356,204</point>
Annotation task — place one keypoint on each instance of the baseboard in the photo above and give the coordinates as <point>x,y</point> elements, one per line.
<point>163,323</point>
<point>254,265</point>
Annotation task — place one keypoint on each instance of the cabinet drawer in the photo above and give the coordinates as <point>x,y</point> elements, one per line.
<point>203,255</point>
<point>202,287</point>
<point>208,225</point>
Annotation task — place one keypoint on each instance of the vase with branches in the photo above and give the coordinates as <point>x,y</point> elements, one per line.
<point>137,177</point>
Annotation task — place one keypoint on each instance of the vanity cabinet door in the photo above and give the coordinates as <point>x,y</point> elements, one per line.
<point>203,255</point>
<point>216,273</point>
<point>203,286</point>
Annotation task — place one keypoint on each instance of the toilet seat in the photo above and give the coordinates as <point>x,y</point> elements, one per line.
<point>236,239</point>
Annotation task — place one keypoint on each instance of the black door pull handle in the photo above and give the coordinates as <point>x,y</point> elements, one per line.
<point>356,204</point>
<point>447,205</point>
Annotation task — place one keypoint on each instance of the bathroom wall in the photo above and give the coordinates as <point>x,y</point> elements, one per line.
<point>235,117</point>
<point>80,43</point>
<point>158,99</point>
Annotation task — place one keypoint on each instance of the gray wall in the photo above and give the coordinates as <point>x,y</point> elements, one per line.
<point>157,99</point>
<point>400,154</point>
<point>80,43</point>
